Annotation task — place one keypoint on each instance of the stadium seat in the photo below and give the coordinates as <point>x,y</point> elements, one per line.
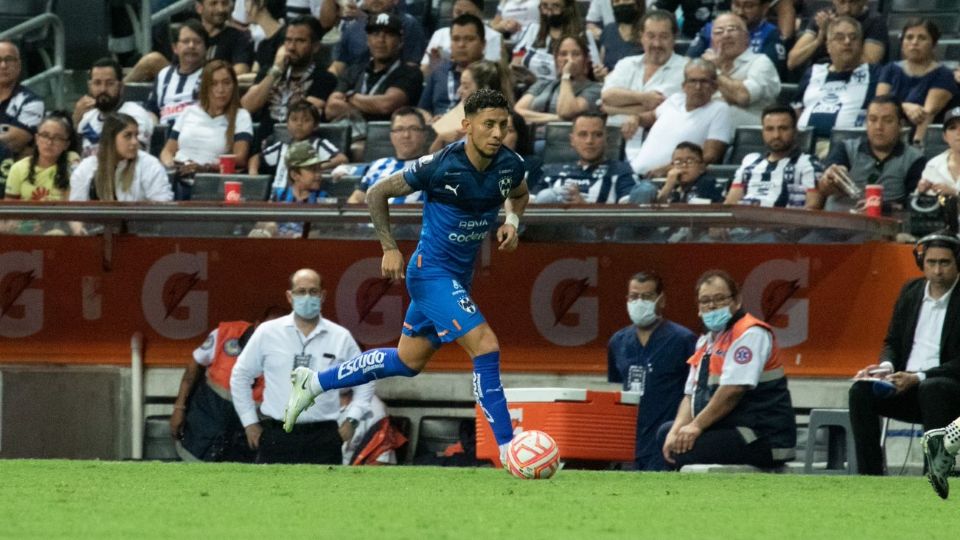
<point>557,148</point>
<point>442,13</point>
<point>20,11</point>
<point>681,45</point>
<point>209,187</point>
<point>341,189</point>
<point>838,135</point>
<point>138,92</point>
<point>949,22</point>
<point>338,135</point>
<point>749,139</point>
<point>918,6</point>
<point>158,139</point>
<point>378,141</point>
<point>788,93</point>
<point>723,173</point>
<point>436,434</point>
<point>933,141</point>
<point>840,446</point>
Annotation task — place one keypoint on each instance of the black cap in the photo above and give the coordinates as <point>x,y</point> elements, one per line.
<point>385,21</point>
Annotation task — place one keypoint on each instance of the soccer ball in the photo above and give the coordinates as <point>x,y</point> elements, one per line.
<point>533,455</point>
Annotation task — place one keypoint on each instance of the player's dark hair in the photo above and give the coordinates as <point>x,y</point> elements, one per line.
<point>409,111</point>
<point>470,20</point>
<point>649,275</point>
<point>693,147</point>
<point>302,105</point>
<point>107,62</point>
<point>780,109</point>
<point>316,31</point>
<point>711,275</point>
<point>485,98</point>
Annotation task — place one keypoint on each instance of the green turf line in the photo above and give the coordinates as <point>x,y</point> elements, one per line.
<point>91,499</point>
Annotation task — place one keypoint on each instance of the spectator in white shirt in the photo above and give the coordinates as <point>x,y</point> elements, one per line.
<point>205,131</point>
<point>941,175</point>
<point>747,81</point>
<point>639,84</point>
<point>513,15</point>
<point>302,338</point>
<point>535,43</point>
<point>688,116</point>
<point>439,47</point>
<point>120,171</point>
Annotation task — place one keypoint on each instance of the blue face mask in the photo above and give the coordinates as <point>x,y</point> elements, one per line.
<point>717,319</point>
<point>307,307</point>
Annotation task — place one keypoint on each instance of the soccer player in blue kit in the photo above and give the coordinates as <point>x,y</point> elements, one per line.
<point>464,186</point>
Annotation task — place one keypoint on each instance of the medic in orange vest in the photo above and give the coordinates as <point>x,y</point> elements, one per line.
<point>208,429</point>
<point>736,408</point>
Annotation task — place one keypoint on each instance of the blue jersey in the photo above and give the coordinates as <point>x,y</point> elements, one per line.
<point>460,207</point>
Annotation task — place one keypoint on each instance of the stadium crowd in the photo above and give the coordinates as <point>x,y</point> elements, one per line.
<point>247,78</point>
<point>259,81</point>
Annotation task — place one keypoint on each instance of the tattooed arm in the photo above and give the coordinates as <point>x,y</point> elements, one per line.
<point>378,201</point>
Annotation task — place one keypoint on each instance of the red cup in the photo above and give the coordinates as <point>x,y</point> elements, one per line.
<point>873,206</point>
<point>228,164</point>
<point>231,191</point>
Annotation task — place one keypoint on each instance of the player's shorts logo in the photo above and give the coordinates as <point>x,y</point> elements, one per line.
<point>505,182</point>
<point>467,305</point>
<point>232,347</point>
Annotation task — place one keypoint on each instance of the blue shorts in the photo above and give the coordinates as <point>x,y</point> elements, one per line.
<point>441,310</point>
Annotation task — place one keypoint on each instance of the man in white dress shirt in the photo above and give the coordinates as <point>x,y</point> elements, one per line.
<point>639,84</point>
<point>302,338</point>
<point>917,377</point>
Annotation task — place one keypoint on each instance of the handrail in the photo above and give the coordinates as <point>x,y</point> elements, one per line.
<point>171,10</point>
<point>579,215</point>
<point>59,51</point>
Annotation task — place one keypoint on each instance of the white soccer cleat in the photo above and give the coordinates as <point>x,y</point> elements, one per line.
<point>300,396</point>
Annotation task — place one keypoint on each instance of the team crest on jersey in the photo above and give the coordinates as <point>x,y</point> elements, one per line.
<point>505,182</point>
<point>743,355</point>
<point>456,285</point>
<point>467,305</point>
<point>232,347</point>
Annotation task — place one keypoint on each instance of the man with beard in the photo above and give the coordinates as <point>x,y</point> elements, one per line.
<point>650,357</point>
<point>103,97</point>
<point>785,176</point>
<point>353,49</point>
<point>294,76</point>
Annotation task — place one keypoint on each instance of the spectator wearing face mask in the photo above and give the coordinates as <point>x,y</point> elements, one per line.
<point>535,43</point>
<point>650,357</point>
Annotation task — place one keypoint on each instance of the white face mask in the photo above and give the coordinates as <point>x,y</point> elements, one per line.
<point>643,313</point>
<point>307,306</point>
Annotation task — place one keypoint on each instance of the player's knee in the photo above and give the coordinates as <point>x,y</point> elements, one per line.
<point>481,340</point>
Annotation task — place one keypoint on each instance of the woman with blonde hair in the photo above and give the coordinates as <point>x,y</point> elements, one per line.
<point>120,170</point>
<point>215,126</point>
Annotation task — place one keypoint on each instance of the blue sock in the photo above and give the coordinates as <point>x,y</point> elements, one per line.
<point>489,394</point>
<point>365,367</point>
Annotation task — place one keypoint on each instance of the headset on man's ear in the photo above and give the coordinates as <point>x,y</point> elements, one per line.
<point>944,236</point>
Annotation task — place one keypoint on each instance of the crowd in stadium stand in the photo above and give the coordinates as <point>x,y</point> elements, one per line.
<point>247,78</point>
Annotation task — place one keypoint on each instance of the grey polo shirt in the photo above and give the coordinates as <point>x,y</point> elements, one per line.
<point>898,173</point>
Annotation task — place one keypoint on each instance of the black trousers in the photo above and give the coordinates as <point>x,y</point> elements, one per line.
<point>316,442</point>
<point>723,446</point>
<point>212,431</point>
<point>935,402</point>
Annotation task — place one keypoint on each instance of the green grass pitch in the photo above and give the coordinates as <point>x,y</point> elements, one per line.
<point>91,499</point>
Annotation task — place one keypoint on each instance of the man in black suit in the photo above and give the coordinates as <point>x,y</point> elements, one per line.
<point>918,376</point>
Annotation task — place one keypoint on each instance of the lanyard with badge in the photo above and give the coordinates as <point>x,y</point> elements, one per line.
<point>451,89</point>
<point>303,359</point>
<point>380,81</point>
